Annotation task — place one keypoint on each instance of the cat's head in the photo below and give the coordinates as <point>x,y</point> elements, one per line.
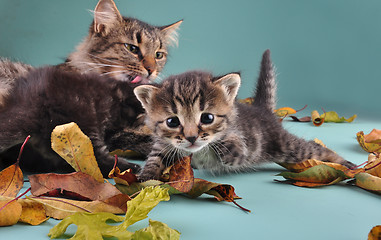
<point>190,110</point>
<point>124,48</point>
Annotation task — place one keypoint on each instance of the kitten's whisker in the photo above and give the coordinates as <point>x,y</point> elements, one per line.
<point>102,65</point>
<point>111,72</point>
<point>104,59</point>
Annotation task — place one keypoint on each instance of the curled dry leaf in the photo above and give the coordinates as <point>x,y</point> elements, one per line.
<point>125,177</point>
<point>181,175</point>
<point>317,120</point>
<point>374,165</point>
<point>75,147</point>
<point>32,213</point>
<point>370,142</point>
<point>302,166</point>
<point>368,182</point>
<point>10,212</point>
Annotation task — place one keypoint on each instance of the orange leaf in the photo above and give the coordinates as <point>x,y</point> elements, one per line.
<point>181,175</point>
<point>368,146</point>
<point>9,214</point>
<point>11,181</point>
<point>125,178</point>
<point>300,167</point>
<point>316,119</point>
<point>32,212</point>
<point>375,233</point>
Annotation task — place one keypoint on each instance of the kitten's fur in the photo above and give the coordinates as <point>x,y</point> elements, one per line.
<point>239,137</point>
<point>48,97</point>
<point>116,46</point>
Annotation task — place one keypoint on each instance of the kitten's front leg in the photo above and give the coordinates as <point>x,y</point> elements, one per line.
<point>232,150</point>
<point>154,165</point>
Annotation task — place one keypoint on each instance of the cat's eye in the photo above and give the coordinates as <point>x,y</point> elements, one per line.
<point>159,55</point>
<point>132,48</point>
<point>207,118</point>
<point>173,122</point>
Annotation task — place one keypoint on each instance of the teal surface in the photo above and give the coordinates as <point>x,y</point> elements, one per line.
<point>327,54</point>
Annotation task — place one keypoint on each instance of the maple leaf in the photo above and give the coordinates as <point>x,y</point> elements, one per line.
<point>94,226</point>
<point>75,147</point>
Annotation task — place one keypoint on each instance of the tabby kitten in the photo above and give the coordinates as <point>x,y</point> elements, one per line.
<point>119,47</point>
<point>196,113</point>
<point>47,97</point>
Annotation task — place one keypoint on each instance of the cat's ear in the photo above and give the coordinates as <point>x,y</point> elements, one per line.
<point>170,32</point>
<point>106,14</point>
<point>230,84</point>
<point>144,94</point>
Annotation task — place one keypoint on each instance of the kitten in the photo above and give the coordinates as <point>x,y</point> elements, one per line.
<point>196,113</point>
<point>120,47</point>
<point>47,97</point>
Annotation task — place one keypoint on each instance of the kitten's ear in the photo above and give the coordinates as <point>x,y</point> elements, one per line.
<point>105,16</point>
<point>144,94</point>
<point>230,84</point>
<point>170,32</point>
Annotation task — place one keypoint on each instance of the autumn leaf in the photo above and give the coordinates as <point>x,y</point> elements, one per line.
<point>302,166</point>
<point>320,175</point>
<point>248,100</point>
<point>374,165</point>
<point>75,147</point>
<point>287,111</point>
<point>375,233</point>
<point>334,117</point>
<point>368,182</point>
<point>11,181</point>
<point>126,177</point>
<point>370,142</point>
<point>32,212</point>
<point>76,184</point>
<point>181,175</point>
<point>10,212</point>
<point>317,120</point>
<point>302,119</point>
<point>94,226</point>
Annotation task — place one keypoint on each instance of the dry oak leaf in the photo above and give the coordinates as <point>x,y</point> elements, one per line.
<point>80,184</point>
<point>375,233</point>
<point>11,181</point>
<point>75,147</point>
<point>370,142</point>
<point>10,212</point>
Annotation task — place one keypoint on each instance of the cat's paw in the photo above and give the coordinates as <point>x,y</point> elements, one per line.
<point>123,165</point>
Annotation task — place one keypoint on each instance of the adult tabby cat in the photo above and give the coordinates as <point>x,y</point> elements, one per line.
<point>47,97</point>
<point>196,113</point>
<point>120,47</point>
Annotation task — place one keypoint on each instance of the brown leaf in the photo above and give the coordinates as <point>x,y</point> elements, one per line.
<point>317,120</point>
<point>371,146</point>
<point>373,136</point>
<point>302,166</point>
<point>11,181</point>
<point>181,175</point>
<point>10,212</point>
<point>125,178</point>
<point>374,165</point>
<point>302,119</point>
<point>80,183</point>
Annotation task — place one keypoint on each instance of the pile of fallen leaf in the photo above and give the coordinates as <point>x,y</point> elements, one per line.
<point>314,173</point>
<point>87,200</point>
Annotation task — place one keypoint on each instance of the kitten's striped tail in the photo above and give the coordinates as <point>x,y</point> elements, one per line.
<point>265,94</point>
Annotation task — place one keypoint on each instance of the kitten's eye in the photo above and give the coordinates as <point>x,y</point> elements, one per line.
<point>159,55</point>
<point>207,118</point>
<point>173,122</point>
<point>132,48</point>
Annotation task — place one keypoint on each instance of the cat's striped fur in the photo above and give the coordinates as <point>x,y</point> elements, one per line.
<point>196,113</point>
<point>116,46</point>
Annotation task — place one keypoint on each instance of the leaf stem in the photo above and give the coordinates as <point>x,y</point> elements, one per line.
<point>22,149</point>
<point>15,199</point>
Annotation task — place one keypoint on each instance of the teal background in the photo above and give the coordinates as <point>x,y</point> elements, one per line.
<point>327,53</point>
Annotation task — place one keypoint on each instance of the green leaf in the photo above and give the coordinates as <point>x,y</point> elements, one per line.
<point>94,226</point>
<point>319,175</point>
<point>334,117</point>
<point>157,230</point>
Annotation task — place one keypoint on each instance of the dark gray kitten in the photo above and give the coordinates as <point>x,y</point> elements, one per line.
<point>196,113</point>
<point>102,107</point>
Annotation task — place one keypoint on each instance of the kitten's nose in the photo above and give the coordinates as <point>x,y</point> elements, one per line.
<point>192,139</point>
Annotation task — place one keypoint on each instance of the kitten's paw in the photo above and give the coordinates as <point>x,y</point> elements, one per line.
<point>123,165</point>
<point>145,177</point>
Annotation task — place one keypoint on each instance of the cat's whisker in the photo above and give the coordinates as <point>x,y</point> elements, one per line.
<point>102,64</point>
<point>112,72</point>
<point>104,59</point>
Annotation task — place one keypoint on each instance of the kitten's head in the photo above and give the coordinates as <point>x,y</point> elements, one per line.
<point>190,110</point>
<point>123,48</point>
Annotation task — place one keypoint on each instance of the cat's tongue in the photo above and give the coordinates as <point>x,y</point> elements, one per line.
<point>137,79</point>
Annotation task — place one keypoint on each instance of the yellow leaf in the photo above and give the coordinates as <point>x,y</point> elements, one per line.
<point>316,119</point>
<point>300,167</point>
<point>32,212</point>
<point>368,146</point>
<point>374,165</point>
<point>75,147</point>
<point>285,111</point>
<point>10,212</point>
